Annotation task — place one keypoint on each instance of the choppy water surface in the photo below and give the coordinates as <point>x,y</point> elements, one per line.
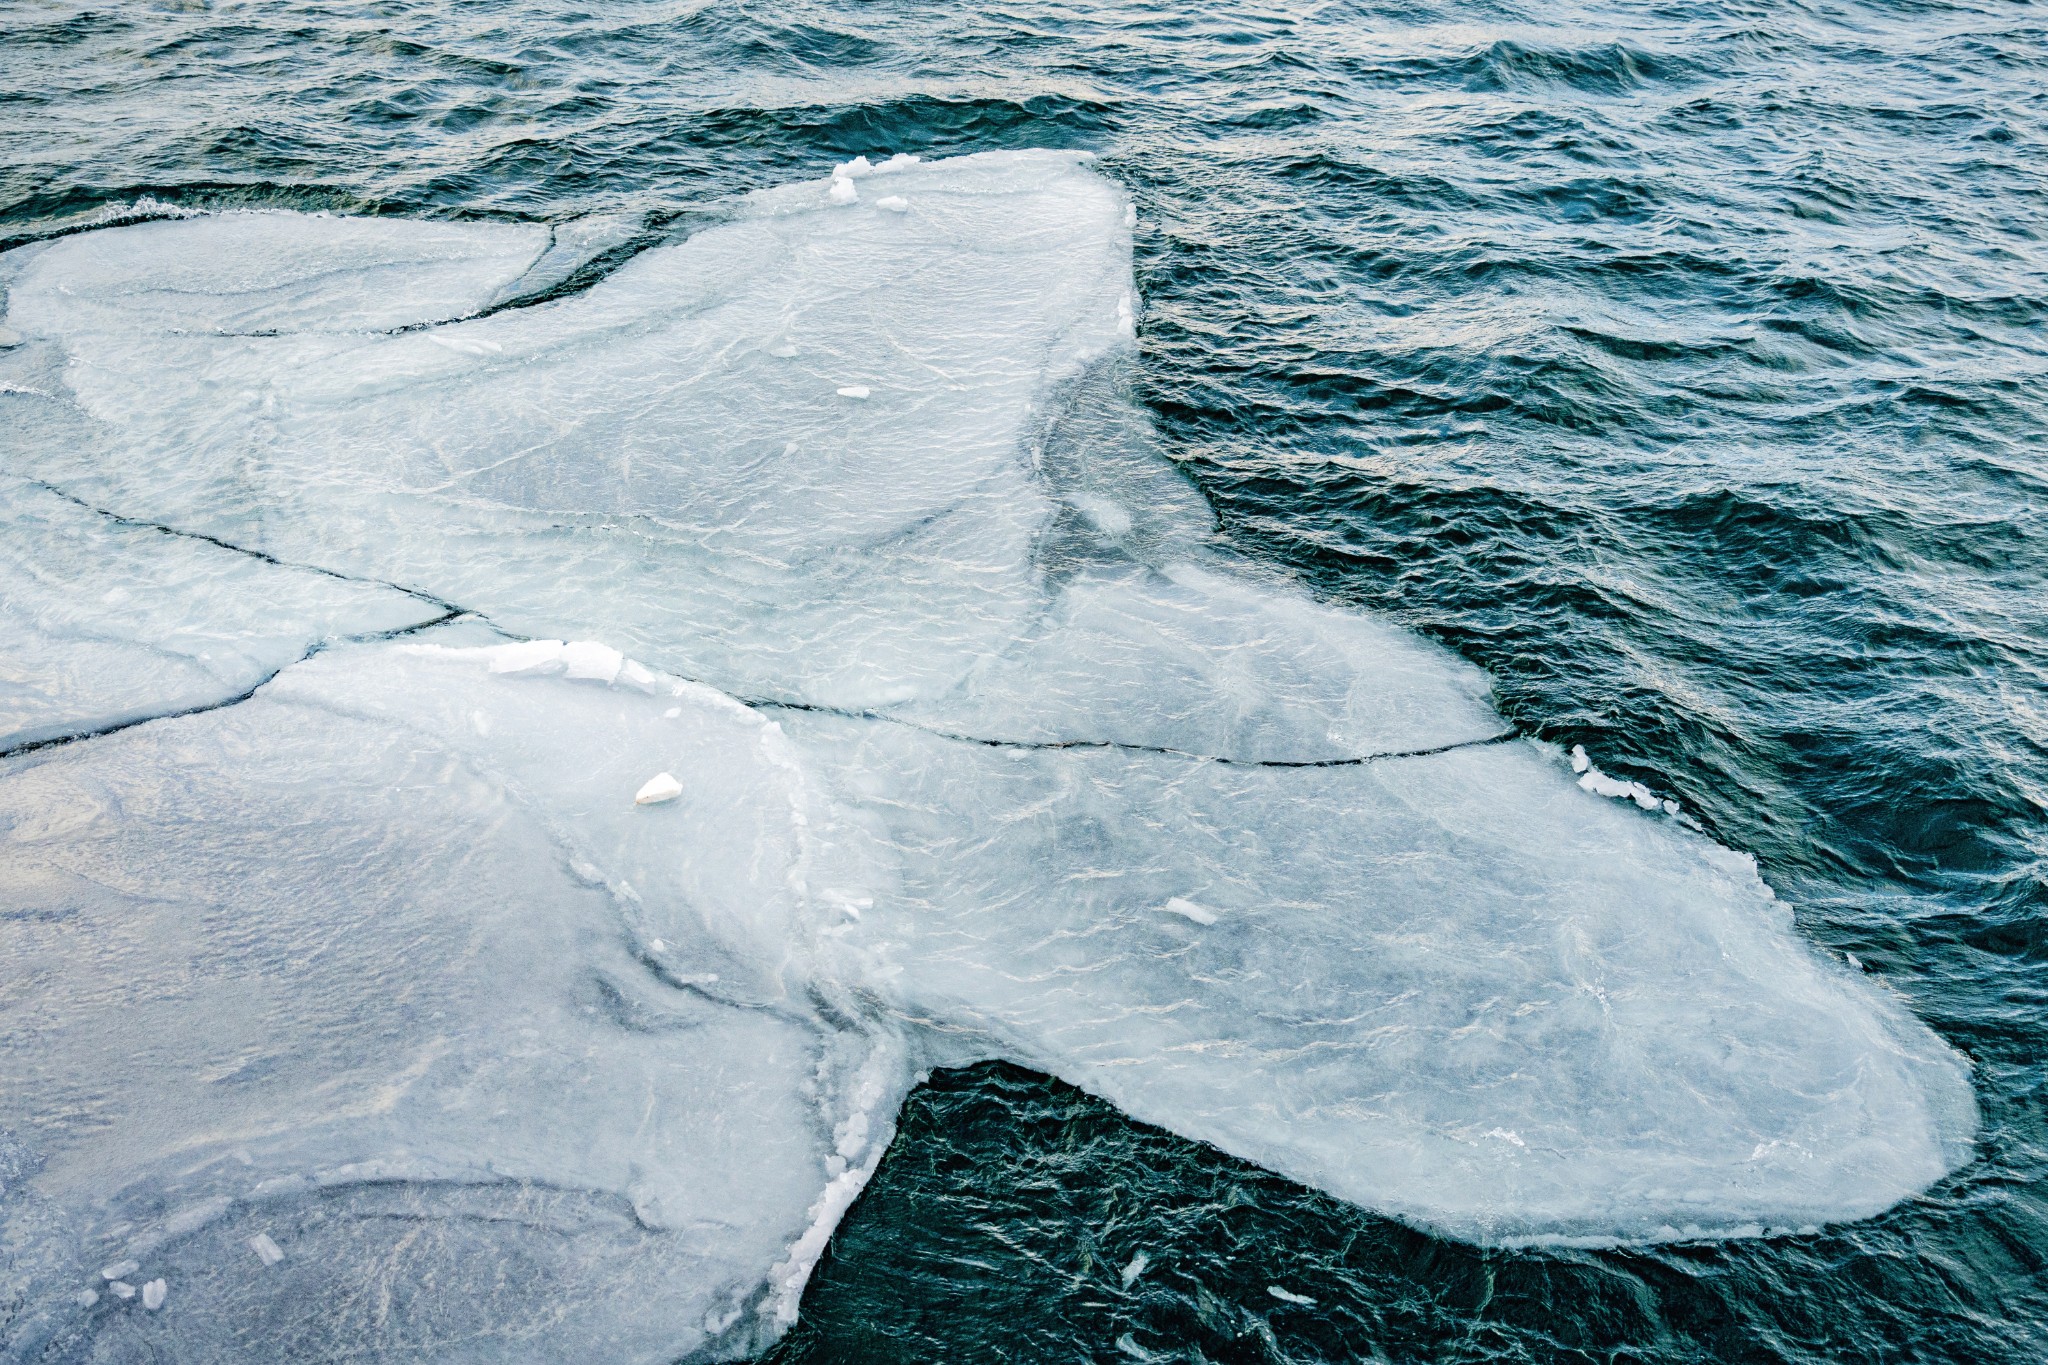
<point>1683,366</point>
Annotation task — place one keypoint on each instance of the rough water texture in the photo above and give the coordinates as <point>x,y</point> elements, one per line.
<point>1442,336</point>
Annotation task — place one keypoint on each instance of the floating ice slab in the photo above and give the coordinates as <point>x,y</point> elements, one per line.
<point>669,462</point>
<point>434,1010</point>
<point>976,744</point>
<point>1453,988</point>
<point>663,459</point>
<point>445,968</point>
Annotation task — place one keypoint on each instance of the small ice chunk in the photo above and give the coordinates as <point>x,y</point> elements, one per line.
<point>902,161</point>
<point>1670,807</point>
<point>121,1289</point>
<point>1600,784</point>
<point>893,203</point>
<point>119,1270</point>
<point>848,170</point>
<point>1135,1268</point>
<point>854,391</point>
<point>657,945</point>
<point>1285,1296</point>
<point>88,1297</point>
<point>672,713</point>
<point>265,1248</point>
<point>1130,215</point>
<point>1200,914</point>
<point>842,192</point>
<point>636,676</point>
<point>591,660</point>
<point>153,1295</point>
<point>659,788</point>
<point>1579,760</point>
<point>528,656</point>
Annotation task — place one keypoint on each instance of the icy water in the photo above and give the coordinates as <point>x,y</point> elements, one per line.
<point>1682,367</point>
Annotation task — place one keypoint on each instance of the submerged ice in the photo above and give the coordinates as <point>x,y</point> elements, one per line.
<point>849,687</point>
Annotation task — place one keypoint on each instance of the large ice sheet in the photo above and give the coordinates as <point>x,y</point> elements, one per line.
<point>106,623</point>
<point>385,969</point>
<point>377,1007</point>
<point>674,461</point>
<point>1455,988</point>
<point>394,941</point>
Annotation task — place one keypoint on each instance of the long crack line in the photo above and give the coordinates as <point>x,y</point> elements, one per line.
<point>264,556</point>
<point>1125,746</point>
<point>450,611</point>
<point>116,727</point>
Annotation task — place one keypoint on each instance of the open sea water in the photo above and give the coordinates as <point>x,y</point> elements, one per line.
<point>1684,365</point>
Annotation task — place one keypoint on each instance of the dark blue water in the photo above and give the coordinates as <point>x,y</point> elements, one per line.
<point>1684,365</point>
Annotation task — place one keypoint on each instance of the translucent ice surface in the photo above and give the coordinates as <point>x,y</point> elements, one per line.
<point>385,966</point>
<point>1453,988</point>
<point>107,623</point>
<point>848,686</point>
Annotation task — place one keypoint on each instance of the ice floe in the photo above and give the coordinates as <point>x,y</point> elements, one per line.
<point>979,744</point>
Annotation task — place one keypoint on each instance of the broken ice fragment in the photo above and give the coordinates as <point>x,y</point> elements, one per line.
<point>153,1295</point>
<point>1136,1268</point>
<point>1286,1297</point>
<point>854,391</point>
<point>636,676</point>
<point>1187,909</point>
<point>88,1297</point>
<point>893,203</point>
<point>847,170</point>
<point>268,1250</point>
<point>590,660</point>
<point>528,656</point>
<point>659,788</point>
<point>1579,760</point>
<point>121,1289</point>
<point>842,192</point>
<point>119,1270</point>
